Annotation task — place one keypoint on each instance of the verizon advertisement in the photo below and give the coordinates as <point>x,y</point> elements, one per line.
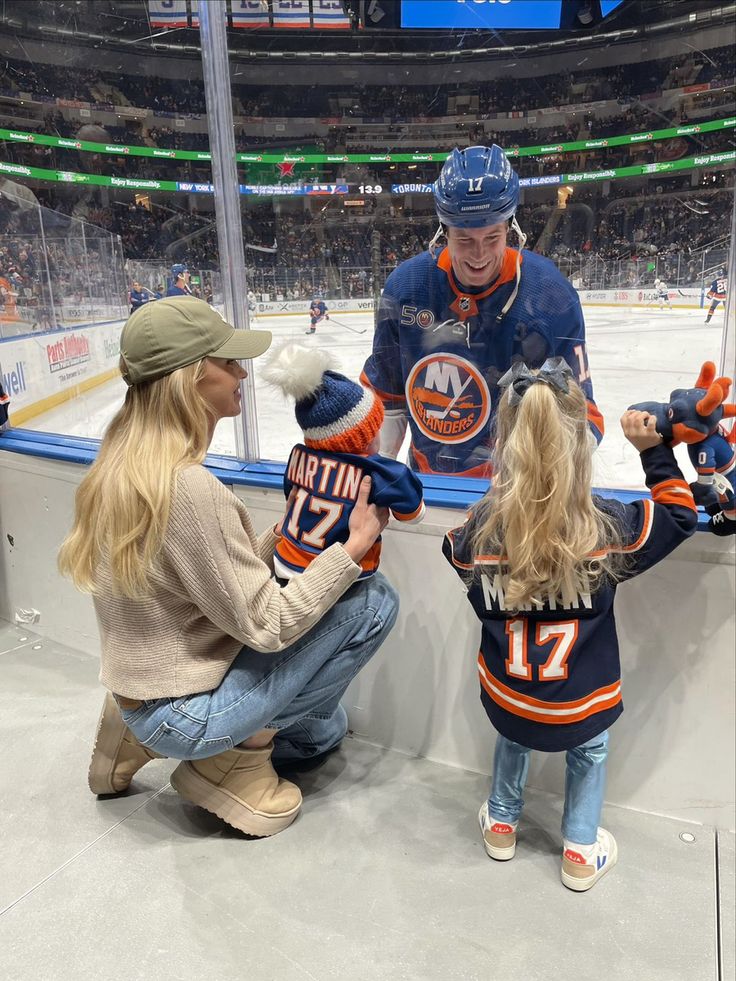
<point>272,308</point>
<point>687,297</point>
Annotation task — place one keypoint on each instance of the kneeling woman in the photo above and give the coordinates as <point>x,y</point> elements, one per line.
<point>206,657</point>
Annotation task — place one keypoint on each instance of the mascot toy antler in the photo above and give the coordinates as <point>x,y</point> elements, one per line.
<point>693,416</point>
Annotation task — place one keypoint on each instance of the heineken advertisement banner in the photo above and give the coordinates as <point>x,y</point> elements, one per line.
<point>118,149</point>
<point>277,190</point>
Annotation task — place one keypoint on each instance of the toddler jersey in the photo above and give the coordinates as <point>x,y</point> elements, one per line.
<point>326,488</point>
<point>550,676</point>
<point>439,351</point>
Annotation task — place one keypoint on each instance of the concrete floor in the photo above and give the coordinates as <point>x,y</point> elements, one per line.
<point>382,878</point>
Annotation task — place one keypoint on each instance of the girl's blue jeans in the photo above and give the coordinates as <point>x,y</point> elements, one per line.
<point>296,691</point>
<point>585,781</point>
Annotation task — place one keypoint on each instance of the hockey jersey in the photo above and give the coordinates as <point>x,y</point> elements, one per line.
<point>137,299</point>
<point>439,351</point>
<point>317,310</point>
<point>326,486</point>
<point>550,676</point>
<point>718,289</point>
<point>175,290</point>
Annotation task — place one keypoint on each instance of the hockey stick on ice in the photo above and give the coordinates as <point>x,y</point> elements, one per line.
<point>348,327</point>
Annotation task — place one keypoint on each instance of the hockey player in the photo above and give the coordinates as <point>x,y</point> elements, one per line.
<point>251,304</point>
<point>340,420</point>
<point>179,281</point>
<point>317,312</point>
<point>663,294</point>
<point>716,294</point>
<point>451,322</point>
<point>138,295</point>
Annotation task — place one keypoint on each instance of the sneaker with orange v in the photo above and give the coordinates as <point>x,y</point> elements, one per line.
<point>499,837</point>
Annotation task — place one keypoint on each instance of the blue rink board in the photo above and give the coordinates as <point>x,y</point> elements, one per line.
<point>458,493</point>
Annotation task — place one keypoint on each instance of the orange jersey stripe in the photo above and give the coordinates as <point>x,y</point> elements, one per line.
<point>667,484</point>
<point>597,553</point>
<point>384,396</point>
<point>677,498</point>
<point>371,559</point>
<point>456,562</point>
<point>292,554</point>
<point>550,713</point>
<point>507,273</point>
<point>595,416</point>
<point>674,491</point>
<point>483,471</point>
<point>541,702</point>
<point>409,517</point>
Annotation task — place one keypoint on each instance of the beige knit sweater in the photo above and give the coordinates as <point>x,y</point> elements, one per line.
<point>212,593</point>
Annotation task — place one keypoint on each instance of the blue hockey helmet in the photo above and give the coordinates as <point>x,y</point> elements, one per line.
<point>178,269</point>
<point>476,187</point>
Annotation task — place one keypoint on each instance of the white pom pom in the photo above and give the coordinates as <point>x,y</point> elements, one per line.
<point>297,371</point>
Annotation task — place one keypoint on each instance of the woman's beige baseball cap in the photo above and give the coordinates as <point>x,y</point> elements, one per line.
<point>167,334</point>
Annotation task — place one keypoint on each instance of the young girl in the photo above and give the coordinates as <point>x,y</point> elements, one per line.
<point>542,558</point>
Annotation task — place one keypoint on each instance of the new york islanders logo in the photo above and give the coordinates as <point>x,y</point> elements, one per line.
<point>448,398</point>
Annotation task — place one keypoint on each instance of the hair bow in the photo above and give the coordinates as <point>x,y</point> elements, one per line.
<point>554,372</point>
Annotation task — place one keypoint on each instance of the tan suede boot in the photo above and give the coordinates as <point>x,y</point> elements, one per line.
<point>241,787</point>
<point>117,754</point>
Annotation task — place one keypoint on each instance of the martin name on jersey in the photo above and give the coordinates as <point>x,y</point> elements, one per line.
<point>326,488</point>
<point>550,675</point>
<point>439,351</point>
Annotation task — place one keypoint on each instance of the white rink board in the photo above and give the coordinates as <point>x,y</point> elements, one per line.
<point>39,369</point>
<point>640,356</point>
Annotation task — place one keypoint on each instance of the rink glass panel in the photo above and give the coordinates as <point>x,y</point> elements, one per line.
<point>92,242</point>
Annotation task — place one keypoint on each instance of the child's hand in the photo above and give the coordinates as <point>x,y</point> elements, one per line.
<point>640,428</point>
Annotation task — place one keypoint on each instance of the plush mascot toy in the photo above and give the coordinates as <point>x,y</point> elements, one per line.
<point>693,416</point>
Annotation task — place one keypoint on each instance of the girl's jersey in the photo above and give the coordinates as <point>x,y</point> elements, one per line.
<point>718,289</point>
<point>439,351</point>
<point>550,676</point>
<point>327,487</point>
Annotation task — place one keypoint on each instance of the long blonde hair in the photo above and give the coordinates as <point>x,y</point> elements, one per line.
<point>122,505</point>
<point>539,517</point>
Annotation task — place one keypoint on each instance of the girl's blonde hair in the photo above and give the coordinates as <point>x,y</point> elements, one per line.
<point>539,517</point>
<point>122,505</point>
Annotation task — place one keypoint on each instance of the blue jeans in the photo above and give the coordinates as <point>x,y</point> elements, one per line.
<point>296,691</point>
<point>585,781</point>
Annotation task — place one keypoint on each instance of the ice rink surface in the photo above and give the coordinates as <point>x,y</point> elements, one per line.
<point>635,355</point>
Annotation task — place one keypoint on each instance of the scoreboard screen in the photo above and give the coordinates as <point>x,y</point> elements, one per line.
<point>484,15</point>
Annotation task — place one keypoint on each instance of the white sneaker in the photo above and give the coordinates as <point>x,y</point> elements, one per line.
<point>499,837</point>
<point>584,865</point>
